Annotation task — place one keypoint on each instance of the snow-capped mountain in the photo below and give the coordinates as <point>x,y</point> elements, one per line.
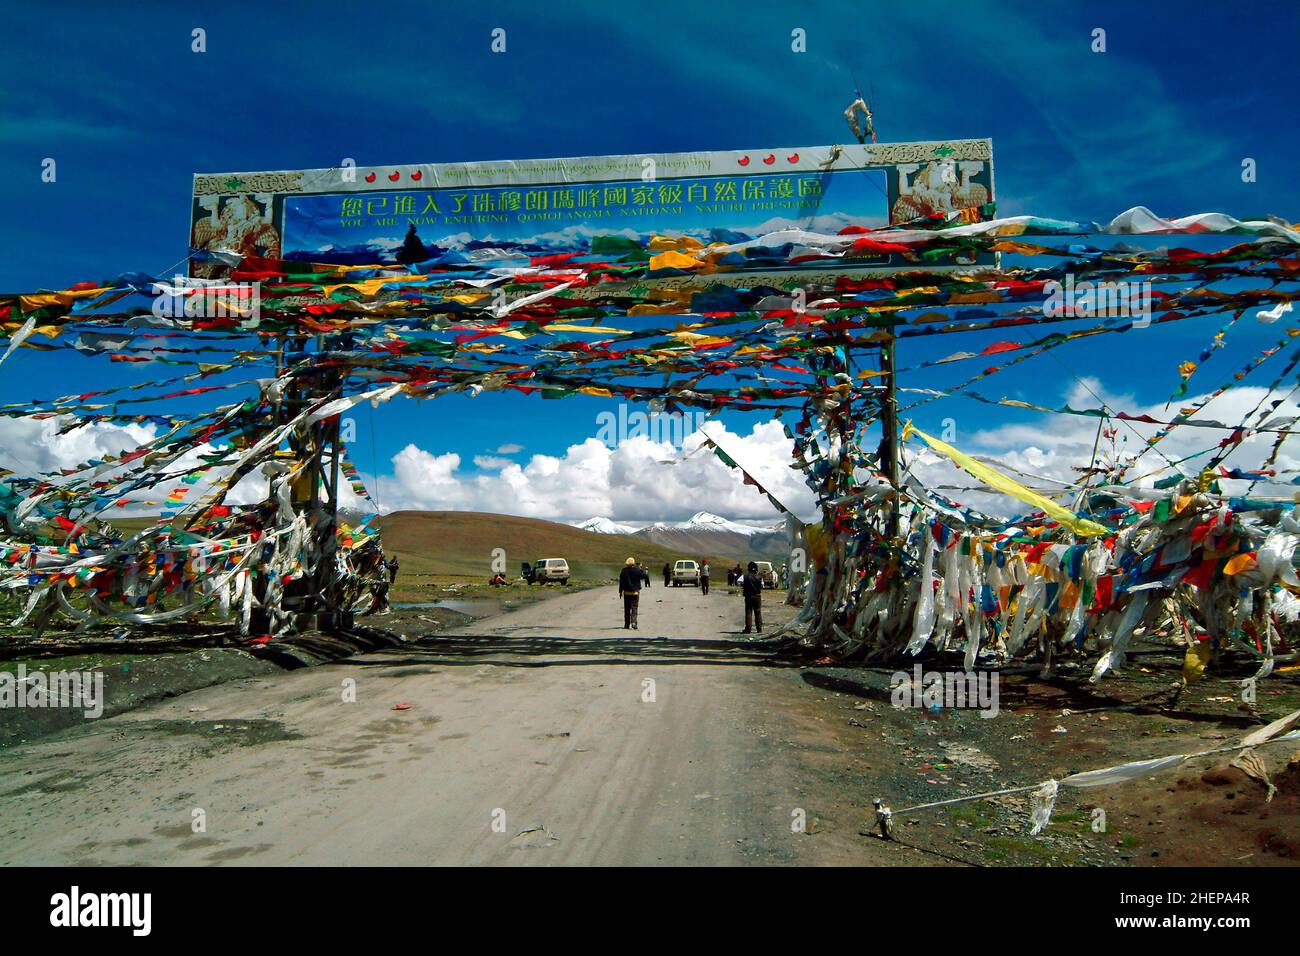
<point>604,526</point>
<point>709,534</point>
<point>701,534</point>
<point>700,521</point>
<point>703,521</point>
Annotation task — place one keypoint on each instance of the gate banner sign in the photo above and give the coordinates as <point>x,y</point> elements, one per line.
<point>456,214</point>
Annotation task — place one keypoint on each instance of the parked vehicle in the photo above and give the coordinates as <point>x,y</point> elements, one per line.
<point>548,569</point>
<point>767,574</point>
<point>686,572</point>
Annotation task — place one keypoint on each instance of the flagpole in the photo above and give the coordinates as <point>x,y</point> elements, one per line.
<point>889,428</point>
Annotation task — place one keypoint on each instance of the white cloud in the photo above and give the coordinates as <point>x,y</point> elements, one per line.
<point>828,223</point>
<point>32,447</point>
<point>632,483</point>
<point>628,483</point>
<point>1053,446</point>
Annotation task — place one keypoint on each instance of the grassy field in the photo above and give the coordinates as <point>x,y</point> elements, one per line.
<point>438,548</point>
<point>459,545</point>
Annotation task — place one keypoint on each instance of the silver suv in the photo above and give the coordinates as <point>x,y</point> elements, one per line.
<point>550,569</point>
<point>686,572</point>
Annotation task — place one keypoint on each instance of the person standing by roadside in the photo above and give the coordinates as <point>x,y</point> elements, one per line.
<point>751,585</point>
<point>668,574</point>
<point>629,589</point>
<point>704,576</point>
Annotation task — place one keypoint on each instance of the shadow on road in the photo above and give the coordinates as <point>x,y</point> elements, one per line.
<point>508,650</point>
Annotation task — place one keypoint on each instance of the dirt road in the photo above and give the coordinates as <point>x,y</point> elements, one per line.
<point>549,735</point>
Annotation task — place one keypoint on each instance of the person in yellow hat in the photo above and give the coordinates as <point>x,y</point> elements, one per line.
<point>629,589</point>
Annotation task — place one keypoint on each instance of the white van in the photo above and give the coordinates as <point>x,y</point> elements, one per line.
<point>686,572</point>
<point>550,569</point>
<point>766,573</point>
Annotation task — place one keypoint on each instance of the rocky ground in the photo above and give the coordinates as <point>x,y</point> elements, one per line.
<point>547,733</point>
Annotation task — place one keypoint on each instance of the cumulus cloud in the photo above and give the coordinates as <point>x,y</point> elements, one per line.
<point>829,223</point>
<point>641,480</point>
<point>1052,447</point>
<point>32,447</point>
<point>631,482</point>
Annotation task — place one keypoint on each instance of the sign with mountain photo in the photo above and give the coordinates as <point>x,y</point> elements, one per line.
<point>607,207</point>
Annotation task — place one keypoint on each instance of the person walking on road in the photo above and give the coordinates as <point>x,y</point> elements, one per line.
<point>629,589</point>
<point>751,585</point>
<point>704,577</point>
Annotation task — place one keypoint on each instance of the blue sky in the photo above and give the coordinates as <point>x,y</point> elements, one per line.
<point>114,94</point>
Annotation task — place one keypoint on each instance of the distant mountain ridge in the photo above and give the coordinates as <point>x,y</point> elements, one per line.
<point>700,521</point>
<point>466,543</point>
<point>604,526</point>
<point>703,533</point>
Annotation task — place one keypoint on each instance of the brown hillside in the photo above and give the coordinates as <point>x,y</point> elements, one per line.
<point>462,542</point>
